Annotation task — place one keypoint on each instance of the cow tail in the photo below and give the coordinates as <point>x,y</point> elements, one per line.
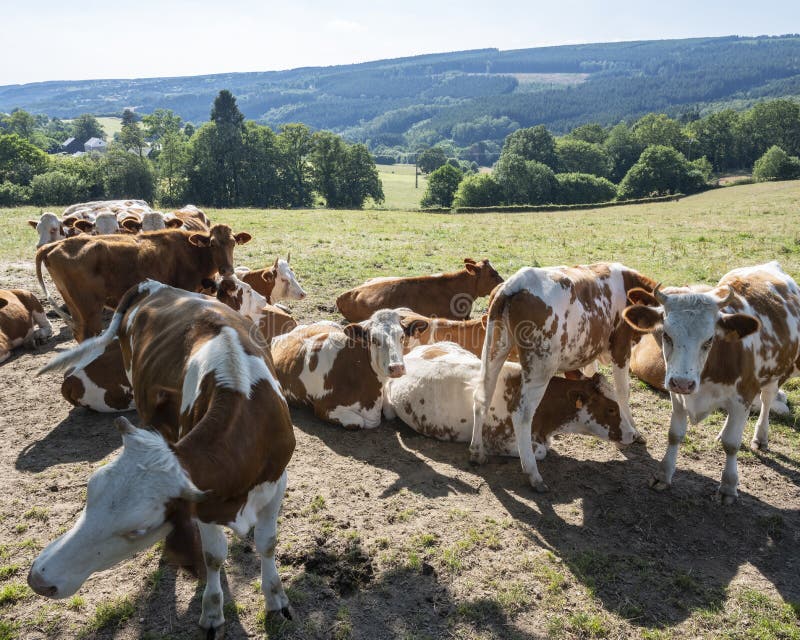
<point>92,348</point>
<point>41,254</point>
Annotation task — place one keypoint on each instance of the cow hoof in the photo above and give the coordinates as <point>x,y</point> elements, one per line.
<point>658,485</point>
<point>726,499</point>
<point>213,633</point>
<point>540,486</point>
<point>640,438</point>
<point>476,458</point>
<point>756,446</point>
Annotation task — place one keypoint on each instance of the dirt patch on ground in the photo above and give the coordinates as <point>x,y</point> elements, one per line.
<point>387,534</point>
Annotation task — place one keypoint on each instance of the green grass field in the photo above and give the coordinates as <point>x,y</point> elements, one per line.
<point>398,187</point>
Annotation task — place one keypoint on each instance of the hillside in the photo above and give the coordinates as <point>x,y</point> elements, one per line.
<point>466,96</point>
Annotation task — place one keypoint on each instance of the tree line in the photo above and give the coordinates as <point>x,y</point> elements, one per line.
<point>655,155</point>
<point>226,162</point>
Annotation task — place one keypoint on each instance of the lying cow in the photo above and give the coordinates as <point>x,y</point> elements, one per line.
<point>275,283</point>
<point>560,319</point>
<point>434,398</point>
<point>448,295</point>
<point>722,349</point>
<point>223,437</point>
<point>92,272</point>
<point>19,312</point>
<point>340,371</point>
<point>272,321</point>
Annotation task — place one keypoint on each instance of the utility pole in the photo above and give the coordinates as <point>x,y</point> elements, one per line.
<point>416,173</point>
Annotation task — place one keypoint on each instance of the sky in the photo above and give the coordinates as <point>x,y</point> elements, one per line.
<point>86,39</point>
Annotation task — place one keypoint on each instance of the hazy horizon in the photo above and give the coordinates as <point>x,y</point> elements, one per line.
<point>84,41</point>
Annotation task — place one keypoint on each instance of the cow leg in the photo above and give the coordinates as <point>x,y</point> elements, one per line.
<point>45,329</point>
<point>495,350</point>
<point>761,434</point>
<point>266,538</point>
<point>731,437</point>
<point>531,394</point>
<point>215,550</point>
<point>622,388</point>
<point>677,432</point>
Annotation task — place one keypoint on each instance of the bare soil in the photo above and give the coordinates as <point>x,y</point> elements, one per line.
<point>387,534</point>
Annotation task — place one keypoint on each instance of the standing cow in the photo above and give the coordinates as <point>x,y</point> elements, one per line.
<point>722,349</point>
<point>559,319</point>
<point>92,272</point>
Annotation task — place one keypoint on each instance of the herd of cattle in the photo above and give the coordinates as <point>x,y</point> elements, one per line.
<point>209,360</point>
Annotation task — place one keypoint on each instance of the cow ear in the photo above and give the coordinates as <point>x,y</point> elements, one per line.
<point>267,275</point>
<point>83,225</point>
<point>242,238</point>
<point>355,331</point>
<point>472,268</point>
<point>641,318</point>
<point>735,326</point>
<point>469,261</point>
<point>132,224</point>
<point>413,327</point>
<point>577,397</point>
<point>199,240</point>
<point>207,284</point>
<point>638,295</point>
<point>173,223</point>
<point>33,223</point>
<point>275,264</point>
<point>124,426</point>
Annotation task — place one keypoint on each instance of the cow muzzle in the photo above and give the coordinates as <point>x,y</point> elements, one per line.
<point>683,386</point>
<point>40,585</point>
<point>397,370</point>
<point>226,272</point>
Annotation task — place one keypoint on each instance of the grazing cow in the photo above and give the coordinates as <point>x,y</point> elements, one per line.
<point>560,319</point>
<point>435,399</point>
<point>19,311</point>
<point>448,295</point>
<point>340,371</point>
<point>217,455</point>
<point>93,272</point>
<point>722,349</point>
<point>275,283</point>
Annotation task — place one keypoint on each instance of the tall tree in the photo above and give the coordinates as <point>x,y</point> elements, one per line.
<point>160,123</point>
<point>87,126</point>
<point>294,146</point>
<point>534,143</point>
<point>131,136</point>
<point>172,166</point>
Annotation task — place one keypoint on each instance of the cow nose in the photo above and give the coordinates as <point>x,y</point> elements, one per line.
<point>226,272</point>
<point>40,586</point>
<point>397,370</point>
<point>302,294</point>
<point>682,385</point>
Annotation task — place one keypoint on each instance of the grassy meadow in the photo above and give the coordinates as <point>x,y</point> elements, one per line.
<point>385,534</point>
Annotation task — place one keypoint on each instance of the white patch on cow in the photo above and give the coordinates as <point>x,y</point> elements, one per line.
<point>49,229</point>
<point>233,368</point>
<point>258,498</point>
<point>94,397</point>
<point>355,415</point>
<point>314,381</point>
<point>286,285</point>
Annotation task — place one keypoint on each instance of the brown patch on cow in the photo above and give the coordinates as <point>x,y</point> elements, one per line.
<point>262,280</point>
<point>647,362</point>
<point>434,352</point>
<point>16,316</point>
<point>275,322</point>
<point>182,546</point>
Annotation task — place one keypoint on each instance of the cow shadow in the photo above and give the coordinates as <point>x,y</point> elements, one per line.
<point>384,448</point>
<point>83,436</point>
<point>652,558</point>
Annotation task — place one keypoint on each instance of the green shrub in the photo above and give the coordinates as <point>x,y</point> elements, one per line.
<point>580,188</point>
<point>12,194</point>
<point>56,187</point>
<point>442,185</point>
<point>776,164</point>
<point>660,170</point>
<point>478,190</point>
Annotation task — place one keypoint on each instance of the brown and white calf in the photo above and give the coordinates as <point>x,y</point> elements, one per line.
<point>722,349</point>
<point>435,398</point>
<point>92,272</point>
<point>275,283</point>
<point>447,295</point>
<point>559,319</point>
<point>217,455</point>
<point>20,314</point>
<point>340,371</point>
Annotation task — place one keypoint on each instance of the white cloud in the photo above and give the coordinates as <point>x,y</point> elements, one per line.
<point>341,25</point>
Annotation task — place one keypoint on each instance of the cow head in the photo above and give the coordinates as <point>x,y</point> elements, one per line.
<point>105,224</point>
<point>153,221</point>
<point>49,228</point>
<point>690,323</point>
<point>127,510</point>
<point>286,286</point>
<point>241,297</point>
<point>487,277</point>
<point>220,240</point>
<point>384,334</point>
<point>595,412</point>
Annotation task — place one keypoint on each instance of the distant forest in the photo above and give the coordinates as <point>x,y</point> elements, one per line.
<point>469,100</point>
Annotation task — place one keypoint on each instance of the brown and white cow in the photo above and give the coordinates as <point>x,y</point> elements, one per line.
<point>722,349</point>
<point>19,312</point>
<point>559,319</point>
<point>444,295</point>
<point>49,228</point>
<point>105,223</point>
<point>340,371</point>
<point>91,272</point>
<point>435,398</point>
<point>275,283</point>
<point>222,437</point>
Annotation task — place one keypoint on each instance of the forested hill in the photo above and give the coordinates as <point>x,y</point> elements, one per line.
<point>467,96</point>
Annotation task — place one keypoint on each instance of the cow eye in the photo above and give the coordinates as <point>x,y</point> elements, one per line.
<point>134,535</point>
